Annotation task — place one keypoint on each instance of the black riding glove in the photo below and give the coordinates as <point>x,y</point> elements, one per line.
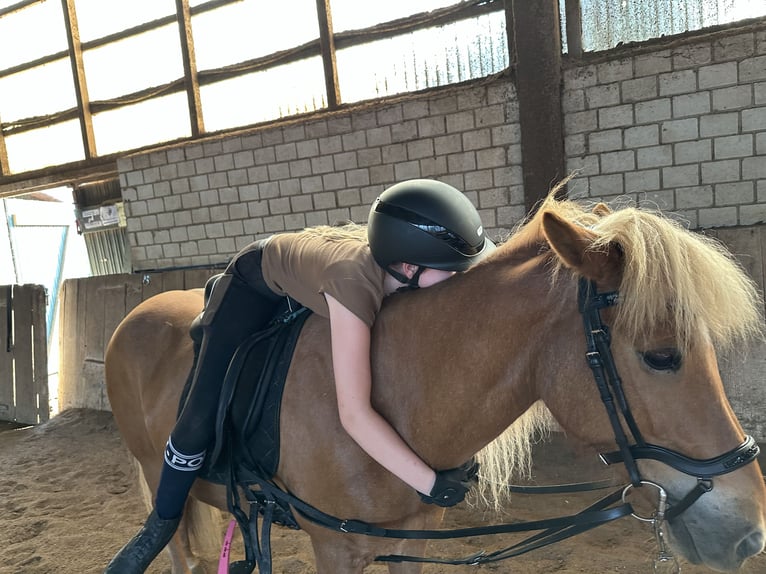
<point>452,485</point>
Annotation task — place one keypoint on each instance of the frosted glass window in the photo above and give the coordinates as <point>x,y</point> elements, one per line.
<point>37,92</point>
<point>605,23</point>
<point>143,61</point>
<point>29,34</point>
<point>99,18</point>
<point>353,14</point>
<point>282,91</point>
<point>252,28</point>
<point>461,51</point>
<point>52,145</point>
<point>153,121</point>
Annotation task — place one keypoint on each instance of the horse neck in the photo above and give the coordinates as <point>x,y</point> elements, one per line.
<point>457,362</point>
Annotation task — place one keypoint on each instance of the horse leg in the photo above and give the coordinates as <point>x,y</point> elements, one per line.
<point>182,559</point>
<point>414,548</point>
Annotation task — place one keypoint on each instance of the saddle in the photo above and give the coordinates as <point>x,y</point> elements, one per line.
<point>246,449</point>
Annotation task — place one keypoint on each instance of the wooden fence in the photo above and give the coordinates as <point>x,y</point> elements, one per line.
<point>23,354</point>
<point>90,310</point>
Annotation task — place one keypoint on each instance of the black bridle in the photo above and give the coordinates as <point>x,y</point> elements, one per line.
<point>601,362</point>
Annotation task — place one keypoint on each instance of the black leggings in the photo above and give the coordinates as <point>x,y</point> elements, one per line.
<point>239,305</point>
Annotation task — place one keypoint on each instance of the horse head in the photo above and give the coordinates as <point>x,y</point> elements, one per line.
<point>663,302</point>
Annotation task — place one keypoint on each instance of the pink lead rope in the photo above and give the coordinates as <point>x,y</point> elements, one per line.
<point>223,561</point>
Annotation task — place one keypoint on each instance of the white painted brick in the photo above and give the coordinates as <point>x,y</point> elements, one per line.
<point>760,93</point>
<point>602,95</point>
<point>717,75</point>
<point>580,77</point>
<point>754,168</point>
<point>578,122</point>
<point>642,136</point>
<point>238,211</point>
<point>717,217</point>
<point>181,219</point>
<point>336,125</point>
<point>656,156</point>
<point>238,177</point>
<point>478,180</point>
<point>490,115</point>
<point>264,155</point>
<point>679,82</point>
<point>204,165</point>
<point>472,140</point>
<point>170,171</point>
<point>190,200</point>
<point>506,134</point>
<point>574,144</point>
<point>268,190</point>
<point>754,119</point>
<point>433,167</point>
<point>288,187</point>
<point>585,165</point>
<point>411,170</point>
<point>199,183</point>
<point>680,176</point>
<point>646,180</point>
<point>279,171</point>
<point>733,146</point>
<point>760,189</point>
<point>186,169</point>
<point>720,171</point>
<point>719,124</point>
<point>615,117</point>
<point>679,130</point>
<point>652,64</point>
<point>489,158</point>
<point>606,185</point>
<point>429,127</point>
<point>691,104</point>
<point>348,197</point>
<point>752,69</point>
<point>760,143</point>
<point>653,110</point>
<point>661,199</point>
<point>692,152</point>
<point>573,101</point>
<point>608,140</point>
<point>352,141</point>
<point>691,56</point>
<point>615,70</point>
<point>460,122</point>
<point>734,47</point>
<point>618,161</point>
<point>734,193</point>
<point>333,181</point>
<point>752,214</point>
<point>644,88</point>
<point>760,42</point>
<point>732,98</point>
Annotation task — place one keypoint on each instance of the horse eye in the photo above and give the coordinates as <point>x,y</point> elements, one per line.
<point>662,359</point>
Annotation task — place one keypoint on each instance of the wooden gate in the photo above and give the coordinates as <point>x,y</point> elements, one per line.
<point>23,354</point>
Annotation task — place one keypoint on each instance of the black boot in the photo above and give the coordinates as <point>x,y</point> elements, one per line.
<point>136,555</point>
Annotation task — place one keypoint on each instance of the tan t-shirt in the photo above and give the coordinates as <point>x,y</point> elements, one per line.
<point>305,267</point>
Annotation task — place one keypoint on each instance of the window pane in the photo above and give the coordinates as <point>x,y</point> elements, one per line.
<point>150,122</point>
<point>37,92</point>
<point>448,54</point>
<point>53,145</point>
<point>149,59</point>
<point>99,18</point>
<point>252,28</point>
<point>282,91</point>
<point>353,15</point>
<point>31,33</point>
<point>606,23</point>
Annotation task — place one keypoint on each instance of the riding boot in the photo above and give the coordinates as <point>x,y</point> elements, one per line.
<point>136,555</point>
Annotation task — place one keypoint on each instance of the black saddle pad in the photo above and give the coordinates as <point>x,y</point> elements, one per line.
<point>247,428</point>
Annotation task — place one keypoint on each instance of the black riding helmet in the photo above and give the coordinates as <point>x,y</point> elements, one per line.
<point>426,223</point>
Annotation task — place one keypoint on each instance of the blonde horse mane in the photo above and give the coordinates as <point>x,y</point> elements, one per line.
<point>672,278</point>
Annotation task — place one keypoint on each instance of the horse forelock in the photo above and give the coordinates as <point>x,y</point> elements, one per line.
<point>672,278</point>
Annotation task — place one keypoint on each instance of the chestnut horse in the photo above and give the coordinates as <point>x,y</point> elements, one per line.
<point>455,365</point>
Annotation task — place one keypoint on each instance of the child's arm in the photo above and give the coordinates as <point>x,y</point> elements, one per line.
<point>353,380</point>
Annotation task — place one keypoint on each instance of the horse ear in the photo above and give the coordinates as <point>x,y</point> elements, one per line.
<point>601,209</point>
<point>572,242</point>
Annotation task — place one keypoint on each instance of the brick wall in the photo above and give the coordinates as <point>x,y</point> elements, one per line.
<point>682,127</point>
<point>199,204</point>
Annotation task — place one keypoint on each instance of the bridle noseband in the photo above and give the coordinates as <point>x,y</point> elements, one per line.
<point>601,362</point>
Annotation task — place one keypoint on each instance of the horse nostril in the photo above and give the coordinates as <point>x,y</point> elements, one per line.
<point>750,545</point>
